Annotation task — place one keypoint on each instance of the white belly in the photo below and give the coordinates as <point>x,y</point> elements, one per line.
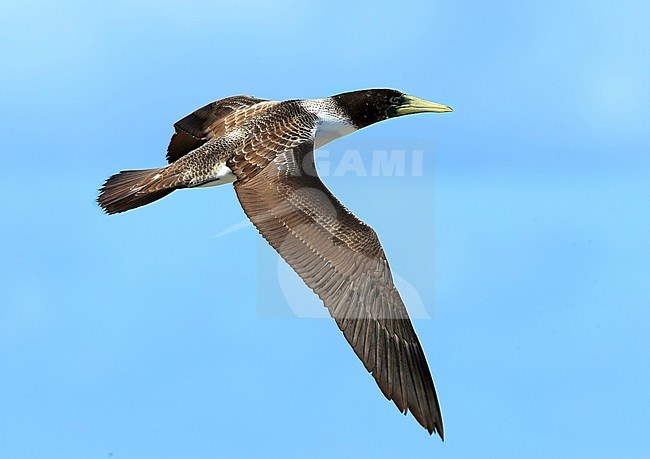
<point>222,175</point>
<point>329,130</point>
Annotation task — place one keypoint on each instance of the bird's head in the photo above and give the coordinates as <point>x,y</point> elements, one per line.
<point>370,106</point>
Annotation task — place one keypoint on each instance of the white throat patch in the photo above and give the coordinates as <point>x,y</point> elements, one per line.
<point>331,123</point>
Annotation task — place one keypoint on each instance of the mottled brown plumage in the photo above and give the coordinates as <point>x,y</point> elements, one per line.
<point>211,121</point>
<point>266,148</point>
<point>340,258</point>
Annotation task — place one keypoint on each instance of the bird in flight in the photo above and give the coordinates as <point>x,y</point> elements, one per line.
<point>267,149</point>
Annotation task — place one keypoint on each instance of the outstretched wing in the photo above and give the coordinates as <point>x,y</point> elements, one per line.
<point>205,123</point>
<point>340,258</point>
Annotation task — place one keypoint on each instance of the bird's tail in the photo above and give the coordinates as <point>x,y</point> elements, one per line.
<point>130,189</point>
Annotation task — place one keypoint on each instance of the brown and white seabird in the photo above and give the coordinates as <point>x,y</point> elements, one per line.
<point>267,149</point>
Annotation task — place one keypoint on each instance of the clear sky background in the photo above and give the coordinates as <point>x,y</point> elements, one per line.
<point>523,246</point>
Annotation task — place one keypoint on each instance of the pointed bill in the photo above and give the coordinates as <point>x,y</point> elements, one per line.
<point>414,104</point>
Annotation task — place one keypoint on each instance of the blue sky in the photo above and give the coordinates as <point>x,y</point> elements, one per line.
<point>522,247</point>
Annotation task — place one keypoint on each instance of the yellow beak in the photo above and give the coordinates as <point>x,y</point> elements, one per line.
<point>414,104</point>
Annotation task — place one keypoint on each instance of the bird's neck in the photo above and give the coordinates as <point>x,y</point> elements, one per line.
<point>332,122</point>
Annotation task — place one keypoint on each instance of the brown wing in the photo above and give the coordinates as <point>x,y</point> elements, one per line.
<point>203,124</point>
<point>340,258</point>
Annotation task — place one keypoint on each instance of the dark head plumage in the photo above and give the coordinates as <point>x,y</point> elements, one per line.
<point>369,106</point>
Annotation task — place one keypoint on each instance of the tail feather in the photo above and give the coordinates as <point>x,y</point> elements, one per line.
<point>130,189</point>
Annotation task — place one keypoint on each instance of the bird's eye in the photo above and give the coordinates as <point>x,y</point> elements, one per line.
<point>397,100</point>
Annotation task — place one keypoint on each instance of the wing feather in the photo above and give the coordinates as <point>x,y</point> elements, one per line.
<point>210,121</point>
<point>340,258</point>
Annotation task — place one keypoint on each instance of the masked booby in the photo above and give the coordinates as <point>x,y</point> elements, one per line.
<point>267,149</point>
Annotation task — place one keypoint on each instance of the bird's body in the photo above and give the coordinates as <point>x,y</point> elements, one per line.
<point>266,149</point>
